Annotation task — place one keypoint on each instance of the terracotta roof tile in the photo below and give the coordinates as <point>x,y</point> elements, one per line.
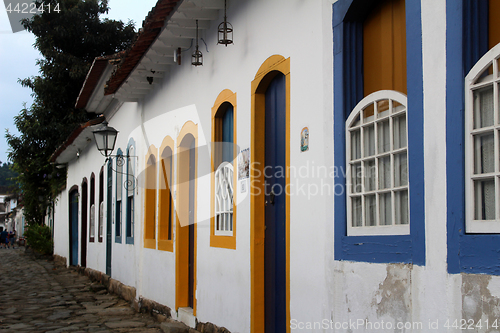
<point>151,28</point>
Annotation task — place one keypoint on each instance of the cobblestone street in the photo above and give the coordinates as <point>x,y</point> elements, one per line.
<point>37,296</point>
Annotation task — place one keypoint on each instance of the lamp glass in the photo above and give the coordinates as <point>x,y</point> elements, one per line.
<point>105,139</point>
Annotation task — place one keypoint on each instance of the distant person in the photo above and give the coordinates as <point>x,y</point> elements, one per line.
<point>12,239</point>
<point>3,238</point>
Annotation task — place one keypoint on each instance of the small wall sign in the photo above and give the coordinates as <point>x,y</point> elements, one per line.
<point>304,139</point>
<point>244,164</point>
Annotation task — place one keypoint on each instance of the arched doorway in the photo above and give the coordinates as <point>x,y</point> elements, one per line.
<point>270,202</point>
<point>73,226</point>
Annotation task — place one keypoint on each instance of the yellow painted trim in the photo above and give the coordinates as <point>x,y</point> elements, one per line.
<point>259,85</point>
<point>182,233</point>
<point>150,195</point>
<point>226,242</point>
<point>165,244</point>
<point>384,48</point>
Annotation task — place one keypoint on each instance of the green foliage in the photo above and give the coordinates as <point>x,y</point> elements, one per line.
<point>7,174</point>
<point>69,41</point>
<point>39,238</point>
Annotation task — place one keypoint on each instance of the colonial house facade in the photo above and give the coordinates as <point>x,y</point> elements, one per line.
<point>335,168</point>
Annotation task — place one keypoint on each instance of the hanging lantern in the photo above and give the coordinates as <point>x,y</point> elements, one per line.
<point>197,57</point>
<point>225,30</point>
<point>105,139</point>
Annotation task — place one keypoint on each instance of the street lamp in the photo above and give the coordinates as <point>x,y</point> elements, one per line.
<point>105,139</point>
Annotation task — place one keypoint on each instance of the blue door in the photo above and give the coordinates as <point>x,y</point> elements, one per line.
<point>275,210</point>
<point>73,227</point>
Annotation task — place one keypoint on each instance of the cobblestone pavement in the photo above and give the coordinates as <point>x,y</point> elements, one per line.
<point>36,296</point>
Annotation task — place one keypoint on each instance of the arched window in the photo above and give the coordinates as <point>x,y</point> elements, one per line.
<point>378,47</point>
<point>482,126</point>
<point>223,221</point>
<point>377,166</point>
<point>165,196</point>
<point>223,151</point>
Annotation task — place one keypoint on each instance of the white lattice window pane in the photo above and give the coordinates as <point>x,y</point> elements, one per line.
<point>370,175</point>
<point>131,216</point>
<point>382,108</point>
<point>401,207</point>
<point>399,125</point>
<point>356,178</point>
<point>384,136</point>
<point>119,179</point>
<point>356,121</point>
<point>378,127</point>
<point>384,172</point>
<point>400,170</point>
<point>484,153</point>
<point>357,217</point>
<point>92,220</point>
<point>368,113</point>
<point>370,210</point>
<point>484,194</point>
<point>224,199</point>
<point>355,145</point>
<point>101,218</point>
<point>385,204</point>
<point>483,107</point>
<point>369,140</point>
<point>397,107</point>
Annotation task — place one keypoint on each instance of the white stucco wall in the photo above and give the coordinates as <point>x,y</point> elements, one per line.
<point>320,288</point>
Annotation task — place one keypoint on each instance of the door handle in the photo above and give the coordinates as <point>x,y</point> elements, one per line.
<point>271,198</point>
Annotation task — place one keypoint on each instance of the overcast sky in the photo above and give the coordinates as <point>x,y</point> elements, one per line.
<point>18,61</point>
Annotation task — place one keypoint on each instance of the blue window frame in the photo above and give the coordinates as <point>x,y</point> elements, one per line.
<point>466,43</point>
<point>348,18</point>
<point>119,196</point>
<point>130,190</point>
<point>227,134</point>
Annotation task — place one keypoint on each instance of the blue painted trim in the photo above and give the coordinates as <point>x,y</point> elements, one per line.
<point>467,253</point>
<point>455,172</point>
<point>379,249</point>
<point>415,88</point>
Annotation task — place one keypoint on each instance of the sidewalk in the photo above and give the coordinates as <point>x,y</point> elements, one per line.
<point>36,296</point>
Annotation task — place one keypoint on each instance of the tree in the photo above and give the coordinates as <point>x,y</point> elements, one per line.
<point>68,40</point>
<point>7,174</point>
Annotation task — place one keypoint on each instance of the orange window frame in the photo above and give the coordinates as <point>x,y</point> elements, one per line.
<point>222,241</point>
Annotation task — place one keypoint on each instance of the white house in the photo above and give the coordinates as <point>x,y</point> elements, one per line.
<point>334,168</point>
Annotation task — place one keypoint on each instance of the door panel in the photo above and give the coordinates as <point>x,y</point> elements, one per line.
<point>191,224</point>
<point>83,237</point>
<point>275,209</point>
<point>73,214</point>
